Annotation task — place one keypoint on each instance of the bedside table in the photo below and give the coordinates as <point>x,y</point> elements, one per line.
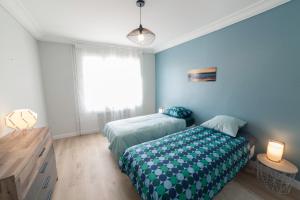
<point>276,176</point>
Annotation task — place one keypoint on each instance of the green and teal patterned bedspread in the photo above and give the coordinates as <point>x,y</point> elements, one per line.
<point>191,164</point>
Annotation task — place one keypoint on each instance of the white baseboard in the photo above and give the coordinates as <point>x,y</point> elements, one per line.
<point>86,132</point>
<point>64,135</point>
<point>72,134</point>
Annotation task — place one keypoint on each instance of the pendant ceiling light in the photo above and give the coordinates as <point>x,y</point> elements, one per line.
<point>141,36</point>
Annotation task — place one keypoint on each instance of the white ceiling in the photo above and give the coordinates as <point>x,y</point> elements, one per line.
<point>109,21</point>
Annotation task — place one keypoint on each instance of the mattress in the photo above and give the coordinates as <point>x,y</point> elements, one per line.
<point>252,151</point>
<point>192,164</point>
<point>125,133</point>
<point>251,142</point>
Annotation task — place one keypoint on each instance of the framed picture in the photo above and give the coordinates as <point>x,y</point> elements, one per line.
<point>203,75</point>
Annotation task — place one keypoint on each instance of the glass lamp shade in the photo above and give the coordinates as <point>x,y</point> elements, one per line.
<point>275,150</point>
<point>141,36</point>
<point>21,119</point>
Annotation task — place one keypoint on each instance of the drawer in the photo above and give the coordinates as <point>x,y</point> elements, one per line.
<point>43,172</point>
<point>48,184</point>
<point>22,156</point>
<point>28,174</point>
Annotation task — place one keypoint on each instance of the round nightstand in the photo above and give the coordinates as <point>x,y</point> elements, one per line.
<point>276,176</point>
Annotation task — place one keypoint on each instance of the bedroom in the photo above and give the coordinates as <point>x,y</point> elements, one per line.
<point>130,112</point>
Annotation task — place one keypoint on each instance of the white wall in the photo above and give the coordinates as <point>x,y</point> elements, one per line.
<point>148,73</point>
<point>20,78</point>
<point>57,69</point>
<point>58,81</point>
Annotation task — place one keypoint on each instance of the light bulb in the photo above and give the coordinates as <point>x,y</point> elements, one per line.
<point>141,37</point>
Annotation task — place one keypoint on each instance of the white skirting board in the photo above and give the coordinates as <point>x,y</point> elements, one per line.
<point>72,134</point>
<point>64,135</point>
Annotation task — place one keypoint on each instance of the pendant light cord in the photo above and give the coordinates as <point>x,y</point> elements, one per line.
<point>140,15</point>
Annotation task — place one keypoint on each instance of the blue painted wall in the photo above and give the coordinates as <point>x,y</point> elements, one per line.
<point>258,76</point>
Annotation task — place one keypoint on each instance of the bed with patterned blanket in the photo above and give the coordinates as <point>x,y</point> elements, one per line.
<point>191,164</point>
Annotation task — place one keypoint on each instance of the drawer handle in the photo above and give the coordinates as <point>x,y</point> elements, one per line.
<point>42,152</point>
<point>46,183</point>
<point>49,195</point>
<point>43,168</point>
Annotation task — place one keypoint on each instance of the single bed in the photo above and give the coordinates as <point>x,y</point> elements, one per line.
<point>192,164</point>
<point>125,133</point>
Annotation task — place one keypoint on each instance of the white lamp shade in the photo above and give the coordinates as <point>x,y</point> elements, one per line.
<point>161,110</point>
<point>21,119</point>
<point>275,150</point>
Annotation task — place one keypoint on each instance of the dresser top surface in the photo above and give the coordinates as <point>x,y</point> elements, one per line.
<point>17,148</point>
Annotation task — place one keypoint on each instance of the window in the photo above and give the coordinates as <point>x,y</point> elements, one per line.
<point>111,82</point>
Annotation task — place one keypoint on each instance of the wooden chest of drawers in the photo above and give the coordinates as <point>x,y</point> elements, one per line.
<point>27,165</point>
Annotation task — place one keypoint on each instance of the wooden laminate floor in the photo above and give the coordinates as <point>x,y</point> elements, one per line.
<point>87,171</point>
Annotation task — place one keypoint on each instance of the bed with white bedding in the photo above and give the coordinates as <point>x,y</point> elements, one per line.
<point>125,133</point>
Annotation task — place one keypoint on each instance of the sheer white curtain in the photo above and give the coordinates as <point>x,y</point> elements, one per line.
<point>109,85</point>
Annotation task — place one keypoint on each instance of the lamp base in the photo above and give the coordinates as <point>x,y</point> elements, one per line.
<point>273,160</point>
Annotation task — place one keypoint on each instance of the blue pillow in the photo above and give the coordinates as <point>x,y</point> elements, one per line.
<point>178,112</point>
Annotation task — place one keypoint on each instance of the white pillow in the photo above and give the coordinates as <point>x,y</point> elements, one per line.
<point>225,124</point>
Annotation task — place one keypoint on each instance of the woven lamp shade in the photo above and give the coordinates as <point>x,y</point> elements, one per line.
<point>141,36</point>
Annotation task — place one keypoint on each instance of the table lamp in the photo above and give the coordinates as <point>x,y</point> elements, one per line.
<point>161,110</point>
<point>21,119</point>
<point>275,150</point>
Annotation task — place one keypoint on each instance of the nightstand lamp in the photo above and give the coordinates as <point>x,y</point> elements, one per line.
<point>161,110</point>
<point>275,150</point>
<point>276,173</point>
<point>21,119</point>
